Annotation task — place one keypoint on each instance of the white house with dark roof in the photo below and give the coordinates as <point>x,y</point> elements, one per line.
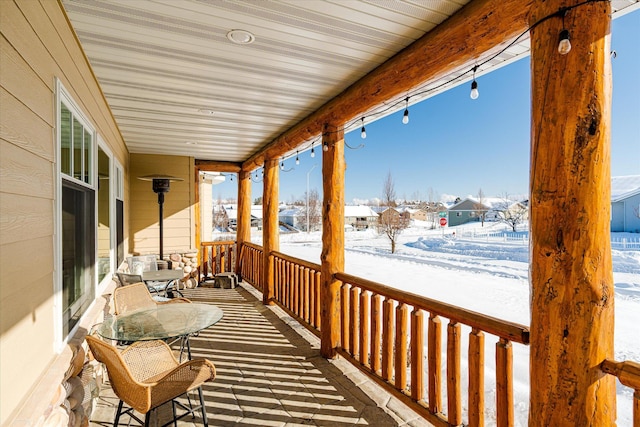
<point>625,203</point>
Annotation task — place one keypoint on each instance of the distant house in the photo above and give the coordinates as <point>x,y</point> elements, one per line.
<point>468,210</point>
<point>472,209</point>
<point>256,216</point>
<point>293,217</point>
<point>360,217</point>
<point>416,214</point>
<point>625,203</point>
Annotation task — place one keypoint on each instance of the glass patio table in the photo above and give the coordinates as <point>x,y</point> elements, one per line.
<point>162,322</point>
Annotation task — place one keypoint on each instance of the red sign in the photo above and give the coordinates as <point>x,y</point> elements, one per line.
<point>443,222</point>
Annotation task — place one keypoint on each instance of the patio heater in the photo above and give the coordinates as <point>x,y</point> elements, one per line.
<point>160,185</point>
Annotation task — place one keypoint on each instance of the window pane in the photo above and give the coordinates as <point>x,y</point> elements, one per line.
<point>78,133</point>
<point>78,253</point>
<point>120,230</point>
<point>65,139</point>
<point>88,164</point>
<point>104,230</point>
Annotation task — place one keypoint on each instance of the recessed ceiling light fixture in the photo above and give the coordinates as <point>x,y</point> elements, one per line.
<point>206,111</point>
<point>241,37</point>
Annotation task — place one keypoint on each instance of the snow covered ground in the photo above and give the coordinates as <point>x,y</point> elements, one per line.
<point>489,277</point>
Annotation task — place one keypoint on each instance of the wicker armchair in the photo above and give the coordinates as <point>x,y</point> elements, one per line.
<point>137,296</point>
<point>146,374</point>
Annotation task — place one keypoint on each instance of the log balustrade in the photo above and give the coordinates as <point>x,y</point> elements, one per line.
<point>250,266</point>
<point>297,288</point>
<point>628,373</point>
<point>217,257</point>
<point>397,339</point>
<point>383,333</point>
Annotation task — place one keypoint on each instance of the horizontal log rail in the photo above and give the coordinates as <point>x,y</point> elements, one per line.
<point>297,289</point>
<point>251,256</point>
<point>397,339</point>
<point>628,373</point>
<point>383,333</point>
<point>217,257</point>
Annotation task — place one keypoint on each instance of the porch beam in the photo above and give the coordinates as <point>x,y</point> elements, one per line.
<point>479,29</point>
<point>243,225</point>
<point>218,166</point>
<point>270,233</point>
<point>571,277</point>
<point>332,255</point>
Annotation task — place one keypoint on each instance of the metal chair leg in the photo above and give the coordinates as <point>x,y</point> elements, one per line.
<point>204,409</point>
<point>117,419</point>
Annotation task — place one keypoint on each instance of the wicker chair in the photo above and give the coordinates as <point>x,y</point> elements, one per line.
<point>137,296</point>
<point>146,374</point>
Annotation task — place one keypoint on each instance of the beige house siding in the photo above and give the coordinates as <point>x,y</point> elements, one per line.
<point>37,46</point>
<point>178,204</point>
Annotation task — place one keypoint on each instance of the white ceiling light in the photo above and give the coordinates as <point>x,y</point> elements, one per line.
<point>206,111</point>
<point>241,37</point>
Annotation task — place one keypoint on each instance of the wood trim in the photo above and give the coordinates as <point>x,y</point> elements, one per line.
<point>218,166</point>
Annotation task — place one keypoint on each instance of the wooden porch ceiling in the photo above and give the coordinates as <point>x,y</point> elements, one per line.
<point>177,85</point>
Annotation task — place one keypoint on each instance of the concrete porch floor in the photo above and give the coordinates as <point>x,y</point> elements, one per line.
<point>270,373</point>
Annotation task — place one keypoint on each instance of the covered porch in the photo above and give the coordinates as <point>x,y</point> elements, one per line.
<point>131,81</point>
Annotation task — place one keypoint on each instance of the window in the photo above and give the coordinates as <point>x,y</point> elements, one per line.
<point>458,213</point>
<point>119,215</point>
<point>76,215</point>
<point>105,263</point>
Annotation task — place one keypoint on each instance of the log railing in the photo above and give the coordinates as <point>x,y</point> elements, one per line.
<point>297,288</point>
<point>628,374</point>
<point>383,332</point>
<point>217,257</point>
<point>251,260</point>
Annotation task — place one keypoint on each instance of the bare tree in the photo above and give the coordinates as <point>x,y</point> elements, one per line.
<point>511,212</point>
<point>479,207</point>
<point>391,222</point>
<point>220,218</point>
<point>314,212</point>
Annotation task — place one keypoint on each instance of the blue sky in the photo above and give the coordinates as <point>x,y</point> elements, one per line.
<point>453,146</point>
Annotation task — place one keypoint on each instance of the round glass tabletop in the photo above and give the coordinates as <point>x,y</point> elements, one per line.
<point>161,322</point>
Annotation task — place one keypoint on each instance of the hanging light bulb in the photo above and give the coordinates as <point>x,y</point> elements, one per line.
<point>363,131</point>
<point>325,146</point>
<point>297,159</point>
<point>564,45</point>
<point>231,178</point>
<point>282,165</point>
<point>474,90</point>
<point>474,85</point>
<point>405,117</point>
<point>313,151</point>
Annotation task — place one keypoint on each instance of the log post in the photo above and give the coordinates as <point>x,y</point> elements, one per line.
<point>270,239</point>
<point>571,271</point>
<point>332,256</point>
<point>243,226</point>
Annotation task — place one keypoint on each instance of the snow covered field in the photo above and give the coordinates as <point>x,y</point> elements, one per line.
<point>484,276</point>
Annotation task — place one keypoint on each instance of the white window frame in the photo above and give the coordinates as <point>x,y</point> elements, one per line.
<point>63,96</point>
<point>112,213</point>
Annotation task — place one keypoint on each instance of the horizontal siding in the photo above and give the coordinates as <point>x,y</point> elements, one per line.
<point>22,172</point>
<point>36,47</point>
<point>23,128</point>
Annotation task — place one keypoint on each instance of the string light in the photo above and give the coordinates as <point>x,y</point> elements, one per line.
<point>564,46</point>
<point>405,117</point>
<point>474,85</point>
<point>282,164</point>
<point>297,158</point>
<point>325,146</point>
